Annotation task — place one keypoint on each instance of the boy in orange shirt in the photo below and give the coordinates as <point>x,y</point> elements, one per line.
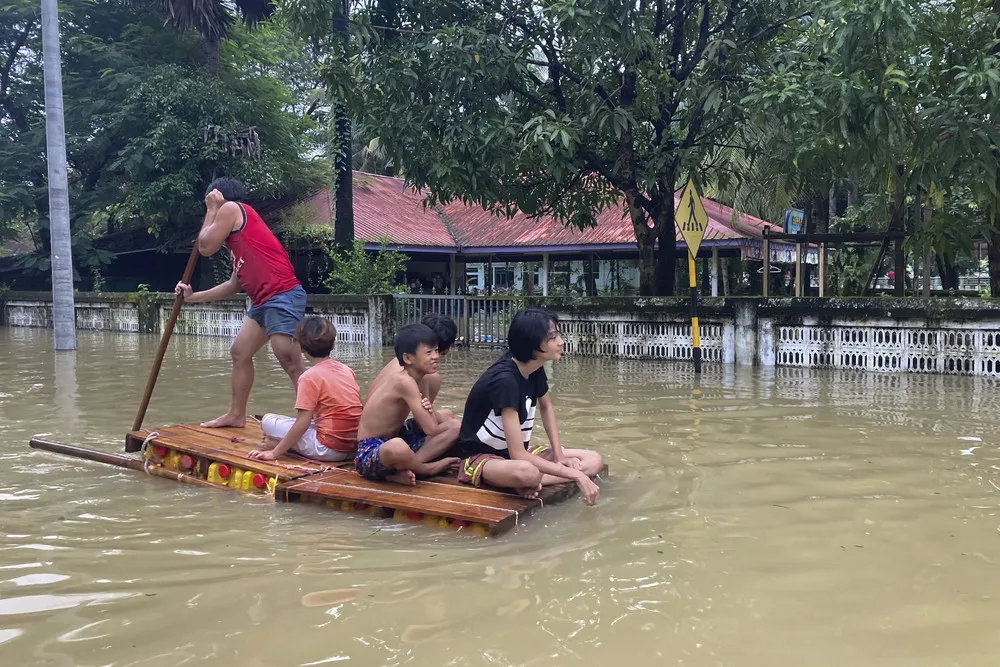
<point>327,401</point>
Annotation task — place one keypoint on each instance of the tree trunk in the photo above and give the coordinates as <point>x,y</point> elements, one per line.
<point>343,164</point>
<point>647,268</point>
<point>666,259</point>
<point>897,223</point>
<point>947,271</point>
<point>213,58</point>
<point>993,251</point>
<point>831,209</point>
<point>852,188</point>
<point>344,195</point>
<point>666,248</point>
<point>63,306</point>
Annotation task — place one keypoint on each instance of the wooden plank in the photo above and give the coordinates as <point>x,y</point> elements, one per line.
<point>424,489</point>
<point>252,435</point>
<point>422,498</point>
<point>445,485</point>
<point>283,469</point>
<point>221,440</point>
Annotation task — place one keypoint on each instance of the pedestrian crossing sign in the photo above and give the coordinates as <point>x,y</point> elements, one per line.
<point>691,217</point>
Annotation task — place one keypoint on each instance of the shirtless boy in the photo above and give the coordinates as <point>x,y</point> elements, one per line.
<point>384,453</point>
<point>430,385</point>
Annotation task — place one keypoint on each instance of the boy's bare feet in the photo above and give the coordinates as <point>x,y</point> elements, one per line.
<point>405,477</point>
<point>226,420</point>
<point>438,467</point>
<point>529,491</point>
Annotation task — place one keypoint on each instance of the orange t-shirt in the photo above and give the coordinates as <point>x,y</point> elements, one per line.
<point>331,391</point>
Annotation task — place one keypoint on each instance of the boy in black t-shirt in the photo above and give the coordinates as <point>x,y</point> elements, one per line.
<point>495,438</point>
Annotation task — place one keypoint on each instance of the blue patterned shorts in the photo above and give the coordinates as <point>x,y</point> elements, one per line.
<point>367,461</point>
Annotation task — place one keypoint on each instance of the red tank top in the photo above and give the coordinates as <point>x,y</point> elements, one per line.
<point>261,263</point>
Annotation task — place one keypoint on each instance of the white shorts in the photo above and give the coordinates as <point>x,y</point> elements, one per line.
<point>277,426</point>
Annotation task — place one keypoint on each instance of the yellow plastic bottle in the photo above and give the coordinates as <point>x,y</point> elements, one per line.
<point>270,485</point>
<point>213,474</point>
<point>173,460</point>
<point>399,515</point>
<point>479,529</point>
<point>247,483</point>
<point>236,479</point>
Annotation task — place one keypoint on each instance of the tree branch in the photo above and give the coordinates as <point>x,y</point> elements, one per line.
<point>774,26</point>
<point>19,117</point>
<point>596,88</point>
<point>555,68</point>
<point>699,50</point>
<point>18,44</point>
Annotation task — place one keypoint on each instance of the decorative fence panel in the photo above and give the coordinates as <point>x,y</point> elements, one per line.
<point>482,321</point>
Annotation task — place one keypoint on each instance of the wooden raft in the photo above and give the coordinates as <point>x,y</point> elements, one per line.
<point>219,457</point>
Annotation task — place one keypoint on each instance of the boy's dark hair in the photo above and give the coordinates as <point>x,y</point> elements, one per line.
<point>410,337</point>
<point>529,328</point>
<point>316,336</point>
<point>444,327</point>
<point>230,188</point>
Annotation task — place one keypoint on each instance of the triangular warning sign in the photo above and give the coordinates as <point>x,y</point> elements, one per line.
<point>691,217</point>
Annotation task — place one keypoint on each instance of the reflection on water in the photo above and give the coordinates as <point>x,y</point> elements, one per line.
<point>752,519</point>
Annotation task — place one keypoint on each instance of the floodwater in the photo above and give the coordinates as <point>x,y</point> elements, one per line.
<point>797,518</point>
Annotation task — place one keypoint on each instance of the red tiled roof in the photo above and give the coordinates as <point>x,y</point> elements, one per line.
<point>473,227</point>
<point>385,207</point>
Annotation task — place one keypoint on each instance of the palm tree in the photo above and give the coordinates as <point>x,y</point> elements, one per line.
<point>63,306</point>
<point>213,20</point>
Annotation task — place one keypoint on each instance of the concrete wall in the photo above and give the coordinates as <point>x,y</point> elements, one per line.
<point>941,335</point>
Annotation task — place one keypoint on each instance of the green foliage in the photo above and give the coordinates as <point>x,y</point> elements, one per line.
<point>298,232</point>
<point>146,128</point>
<point>355,271</point>
<point>146,302</point>
<point>566,109</point>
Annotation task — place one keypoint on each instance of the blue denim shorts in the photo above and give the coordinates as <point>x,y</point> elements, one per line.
<point>281,313</point>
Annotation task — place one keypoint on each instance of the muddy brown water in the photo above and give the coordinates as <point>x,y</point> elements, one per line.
<point>751,519</point>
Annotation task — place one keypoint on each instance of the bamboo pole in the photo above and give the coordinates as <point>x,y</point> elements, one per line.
<point>120,460</point>
<point>164,339</point>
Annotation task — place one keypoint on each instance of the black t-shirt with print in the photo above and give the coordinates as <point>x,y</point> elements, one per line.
<point>501,386</point>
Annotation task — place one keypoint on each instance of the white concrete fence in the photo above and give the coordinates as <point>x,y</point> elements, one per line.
<point>908,335</point>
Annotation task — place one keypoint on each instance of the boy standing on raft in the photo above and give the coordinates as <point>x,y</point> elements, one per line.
<point>495,439</point>
<point>327,401</point>
<point>262,269</point>
<point>386,453</point>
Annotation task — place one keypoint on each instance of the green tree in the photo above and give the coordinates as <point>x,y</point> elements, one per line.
<point>556,107</point>
<point>146,129</point>
<point>214,21</point>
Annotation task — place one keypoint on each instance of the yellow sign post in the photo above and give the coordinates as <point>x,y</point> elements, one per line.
<point>692,220</point>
